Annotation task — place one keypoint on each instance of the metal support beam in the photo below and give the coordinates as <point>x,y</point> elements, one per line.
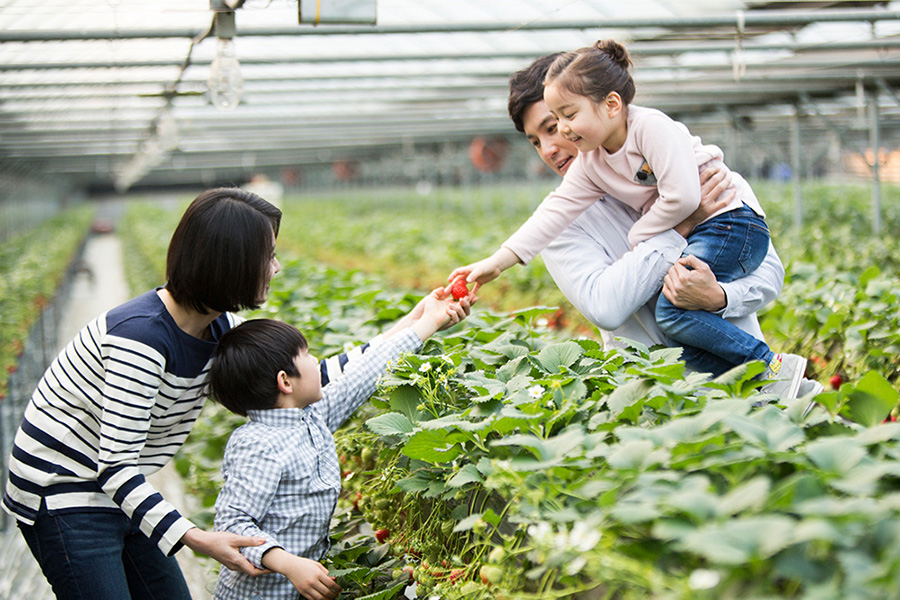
<point>750,19</point>
<point>875,137</point>
<point>796,167</point>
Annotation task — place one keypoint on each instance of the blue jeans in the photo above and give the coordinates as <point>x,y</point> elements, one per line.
<point>733,244</point>
<point>102,556</point>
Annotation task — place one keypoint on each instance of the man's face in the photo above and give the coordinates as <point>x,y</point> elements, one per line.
<point>553,148</point>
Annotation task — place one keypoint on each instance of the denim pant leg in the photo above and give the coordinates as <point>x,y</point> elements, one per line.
<point>733,244</point>
<point>83,555</point>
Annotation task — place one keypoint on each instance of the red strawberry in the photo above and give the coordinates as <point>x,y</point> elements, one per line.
<point>836,381</point>
<point>381,535</point>
<point>459,289</point>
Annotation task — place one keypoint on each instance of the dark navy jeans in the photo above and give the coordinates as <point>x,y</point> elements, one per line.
<point>733,244</point>
<point>102,556</point>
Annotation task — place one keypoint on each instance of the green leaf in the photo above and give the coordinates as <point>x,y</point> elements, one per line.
<point>872,400</point>
<point>405,399</point>
<point>525,440</point>
<point>467,474</point>
<point>348,571</point>
<point>432,446</point>
<point>557,357</point>
<point>387,594</point>
<point>835,454</point>
<point>467,523</point>
<point>486,387</point>
<point>413,484</point>
<point>390,424</point>
<point>739,541</point>
<point>634,455</point>
<point>627,395</point>
<point>752,494</point>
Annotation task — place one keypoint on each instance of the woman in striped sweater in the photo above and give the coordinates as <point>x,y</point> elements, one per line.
<point>119,401</point>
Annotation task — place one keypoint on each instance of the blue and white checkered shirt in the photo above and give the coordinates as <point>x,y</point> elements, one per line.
<point>282,476</point>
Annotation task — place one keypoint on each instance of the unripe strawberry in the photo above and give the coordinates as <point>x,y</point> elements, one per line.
<point>490,574</point>
<point>836,381</point>
<point>459,289</point>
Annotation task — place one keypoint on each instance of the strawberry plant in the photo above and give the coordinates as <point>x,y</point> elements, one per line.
<point>508,460</point>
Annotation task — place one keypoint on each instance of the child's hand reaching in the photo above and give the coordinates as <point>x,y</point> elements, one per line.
<point>309,577</point>
<point>438,311</point>
<point>486,269</point>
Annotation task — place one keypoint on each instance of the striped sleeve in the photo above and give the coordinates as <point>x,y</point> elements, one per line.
<point>134,374</point>
<point>332,367</point>
<point>343,396</point>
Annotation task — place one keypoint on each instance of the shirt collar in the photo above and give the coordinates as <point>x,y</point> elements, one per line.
<point>279,417</point>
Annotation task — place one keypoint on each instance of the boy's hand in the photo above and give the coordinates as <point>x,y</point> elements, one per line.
<point>487,269</point>
<point>438,311</point>
<point>309,577</point>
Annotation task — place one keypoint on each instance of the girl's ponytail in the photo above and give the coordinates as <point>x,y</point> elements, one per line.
<point>615,51</point>
<point>595,71</point>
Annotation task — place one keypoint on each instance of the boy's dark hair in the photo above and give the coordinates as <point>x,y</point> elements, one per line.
<point>220,253</point>
<point>244,371</point>
<point>527,87</point>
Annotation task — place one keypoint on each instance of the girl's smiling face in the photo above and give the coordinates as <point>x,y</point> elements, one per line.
<point>585,123</point>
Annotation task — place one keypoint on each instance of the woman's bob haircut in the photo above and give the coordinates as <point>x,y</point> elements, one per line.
<point>221,251</point>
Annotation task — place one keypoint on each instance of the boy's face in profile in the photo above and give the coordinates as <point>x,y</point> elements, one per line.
<point>305,389</point>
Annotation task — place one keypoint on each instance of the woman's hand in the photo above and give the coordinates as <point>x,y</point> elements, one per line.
<point>224,547</point>
<point>487,269</point>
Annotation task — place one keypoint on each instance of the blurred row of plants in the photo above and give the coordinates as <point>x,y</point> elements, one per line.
<point>32,266</point>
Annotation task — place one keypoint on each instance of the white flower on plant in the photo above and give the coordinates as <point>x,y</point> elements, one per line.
<point>425,368</point>
<point>561,540</point>
<point>348,346</point>
<point>704,579</point>
<point>584,537</point>
<point>574,566</point>
<point>411,590</point>
<point>535,392</point>
<point>542,322</point>
<point>540,533</point>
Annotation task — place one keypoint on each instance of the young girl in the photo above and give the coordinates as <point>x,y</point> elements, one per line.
<point>650,162</point>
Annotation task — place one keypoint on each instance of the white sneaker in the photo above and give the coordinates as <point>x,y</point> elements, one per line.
<point>786,372</point>
<point>809,389</point>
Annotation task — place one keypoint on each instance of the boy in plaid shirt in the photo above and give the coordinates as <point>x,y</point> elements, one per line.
<point>282,476</point>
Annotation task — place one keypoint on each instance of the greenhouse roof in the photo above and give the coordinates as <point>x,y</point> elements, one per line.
<point>114,92</point>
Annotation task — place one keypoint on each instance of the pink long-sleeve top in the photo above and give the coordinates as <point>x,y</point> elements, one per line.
<point>656,172</point>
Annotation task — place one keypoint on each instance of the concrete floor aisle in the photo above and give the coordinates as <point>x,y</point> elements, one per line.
<point>99,286</point>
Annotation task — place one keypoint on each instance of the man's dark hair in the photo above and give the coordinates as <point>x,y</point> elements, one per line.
<point>220,253</point>
<point>527,87</point>
<point>244,371</point>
